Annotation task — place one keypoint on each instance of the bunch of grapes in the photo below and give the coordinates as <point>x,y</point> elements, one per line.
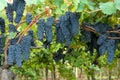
<point>45,28</point>
<point>28,18</point>
<point>2,31</point>
<point>101,43</point>
<point>2,37</point>
<point>12,28</point>
<point>58,55</point>
<point>2,25</point>
<point>66,27</point>
<point>25,46</point>
<point>30,32</point>
<point>108,45</point>
<point>40,29</point>
<point>18,6</point>
<point>14,54</point>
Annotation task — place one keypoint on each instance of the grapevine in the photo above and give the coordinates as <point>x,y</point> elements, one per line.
<point>97,36</point>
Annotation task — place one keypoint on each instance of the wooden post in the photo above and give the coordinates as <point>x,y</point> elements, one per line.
<point>46,73</point>
<point>6,74</point>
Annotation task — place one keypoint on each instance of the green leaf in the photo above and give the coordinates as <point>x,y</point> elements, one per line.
<point>58,11</point>
<point>40,0</point>
<point>76,2</point>
<point>12,35</point>
<point>29,2</point>
<point>63,7</point>
<point>3,4</point>
<point>91,5</point>
<point>117,4</point>
<point>58,3</point>
<point>108,8</point>
<point>0,32</point>
<point>80,7</point>
<point>84,1</point>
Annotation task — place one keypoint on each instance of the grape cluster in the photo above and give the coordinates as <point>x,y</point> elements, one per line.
<point>108,45</point>
<point>58,55</point>
<point>45,28</point>
<point>25,45</point>
<point>48,28</point>
<point>28,18</point>
<point>74,17</point>
<point>2,31</point>
<point>117,26</point>
<point>101,43</point>
<point>59,34</point>
<point>2,37</point>
<point>31,33</point>
<point>101,39</point>
<point>40,29</point>
<point>18,6</point>
<point>66,27</point>
<point>14,54</point>
<point>102,27</point>
<point>9,13</point>
<point>15,51</point>
<point>12,28</point>
<point>2,25</point>
<point>89,38</point>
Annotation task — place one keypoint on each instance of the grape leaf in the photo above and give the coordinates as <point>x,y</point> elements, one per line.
<point>76,2</point>
<point>91,5</point>
<point>108,8</point>
<point>80,7</point>
<point>3,4</point>
<point>29,2</point>
<point>12,35</point>
<point>84,1</point>
<point>58,11</point>
<point>63,7</point>
<point>117,4</point>
<point>58,3</point>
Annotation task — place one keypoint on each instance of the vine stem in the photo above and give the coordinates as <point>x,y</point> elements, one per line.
<point>117,32</point>
<point>46,73</point>
<point>88,28</point>
<point>92,11</point>
<point>5,54</point>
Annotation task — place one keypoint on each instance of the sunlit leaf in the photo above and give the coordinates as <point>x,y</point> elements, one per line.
<point>91,5</point>
<point>58,11</point>
<point>12,35</point>
<point>3,4</point>
<point>80,7</point>
<point>117,4</point>
<point>108,8</point>
<point>29,2</point>
<point>76,2</point>
<point>84,1</point>
<point>58,3</point>
<point>63,7</point>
